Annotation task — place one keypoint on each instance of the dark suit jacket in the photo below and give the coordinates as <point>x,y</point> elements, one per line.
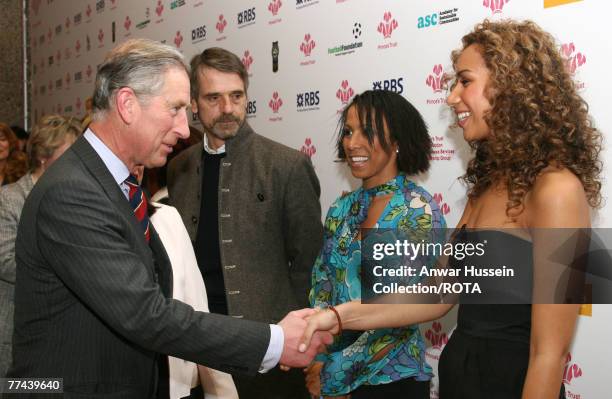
<point>88,302</point>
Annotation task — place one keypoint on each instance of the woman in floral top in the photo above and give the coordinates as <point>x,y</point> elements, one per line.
<point>383,138</point>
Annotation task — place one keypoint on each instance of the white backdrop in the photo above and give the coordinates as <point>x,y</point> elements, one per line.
<point>328,51</point>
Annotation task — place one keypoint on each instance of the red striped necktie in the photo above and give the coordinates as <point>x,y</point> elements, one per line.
<point>138,203</point>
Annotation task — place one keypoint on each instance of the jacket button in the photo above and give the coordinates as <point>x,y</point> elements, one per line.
<point>194,219</point>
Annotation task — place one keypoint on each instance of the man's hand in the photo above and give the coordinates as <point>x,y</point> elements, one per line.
<point>319,321</point>
<point>293,326</point>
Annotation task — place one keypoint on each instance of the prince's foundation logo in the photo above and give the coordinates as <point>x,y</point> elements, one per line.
<point>345,92</point>
<point>247,61</point>
<point>308,148</point>
<point>496,6</point>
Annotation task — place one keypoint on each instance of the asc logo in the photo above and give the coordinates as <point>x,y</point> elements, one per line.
<point>246,17</point>
<point>198,34</point>
<point>395,85</point>
<point>307,101</point>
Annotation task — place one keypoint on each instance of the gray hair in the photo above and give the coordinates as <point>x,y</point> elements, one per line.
<point>139,64</point>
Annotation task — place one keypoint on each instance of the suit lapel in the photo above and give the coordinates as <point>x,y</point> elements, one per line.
<point>154,255</point>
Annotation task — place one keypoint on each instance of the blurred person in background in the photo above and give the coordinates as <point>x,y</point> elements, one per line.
<point>13,162</point>
<point>22,136</point>
<point>49,139</point>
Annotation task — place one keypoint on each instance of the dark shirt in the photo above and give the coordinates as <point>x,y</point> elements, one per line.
<point>206,246</point>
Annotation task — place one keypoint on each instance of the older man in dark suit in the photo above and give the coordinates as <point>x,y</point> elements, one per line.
<point>93,281</point>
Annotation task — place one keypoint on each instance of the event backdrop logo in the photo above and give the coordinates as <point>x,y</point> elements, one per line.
<point>67,23</point>
<point>159,9</point>
<point>88,71</point>
<point>308,148</point>
<point>343,49</point>
<point>88,11</point>
<point>307,45</point>
<point>572,371</point>
<point>100,37</point>
<point>246,17</point>
<point>77,47</point>
<point>251,109</point>
<point>435,80</point>
<point>388,25</point>
<point>221,23</point>
<point>308,101</point>
<point>274,6</point>
<point>275,103</point>
<point>436,337</point>
<point>444,208</point>
<point>299,4</point>
<point>176,4</point>
<point>345,92</point>
<point>198,34</point>
<point>178,39</point>
<point>127,23</point>
<point>394,84</point>
<point>275,53</point>
<point>49,35</point>
<point>573,60</point>
<point>78,104</point>
<point>247,60</point>
<point>100,4</point>
<point>496,6</point>
<point>35,6</point>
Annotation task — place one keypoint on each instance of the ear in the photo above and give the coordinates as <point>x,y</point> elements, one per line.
<point>127,105</point>
<point>194,106</point>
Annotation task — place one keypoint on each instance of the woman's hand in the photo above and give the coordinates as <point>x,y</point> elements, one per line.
<point>313,378</point>
<point>323,320</point>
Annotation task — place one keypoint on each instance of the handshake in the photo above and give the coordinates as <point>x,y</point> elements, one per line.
<point>307,332</point>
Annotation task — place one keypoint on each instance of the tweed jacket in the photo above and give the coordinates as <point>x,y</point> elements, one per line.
<point>12,197</point>
<point>270,229</point>
<point>92,297</point>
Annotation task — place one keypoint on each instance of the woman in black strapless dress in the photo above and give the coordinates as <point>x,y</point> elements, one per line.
<point>535,167</point>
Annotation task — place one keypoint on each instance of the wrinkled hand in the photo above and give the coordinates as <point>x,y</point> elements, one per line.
<point>319,321</point>
<point>313,378</point>
<point>293,326</point>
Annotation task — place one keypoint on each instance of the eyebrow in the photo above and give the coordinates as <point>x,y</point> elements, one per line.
<point>461,72</point>
<point>216,93</point>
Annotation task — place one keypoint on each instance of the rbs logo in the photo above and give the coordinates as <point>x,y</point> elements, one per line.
<point>251,107</point>
<point>198,33</point>
<point>427,21</point>
<point>308,99</point>
<point>246,16</point>
<point>394,85</point>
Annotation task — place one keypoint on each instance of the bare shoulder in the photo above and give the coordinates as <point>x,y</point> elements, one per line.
<point>557,199</point>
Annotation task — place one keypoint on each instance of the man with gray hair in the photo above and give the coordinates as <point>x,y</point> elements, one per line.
<point>251,207</point>
<point>92,298</point>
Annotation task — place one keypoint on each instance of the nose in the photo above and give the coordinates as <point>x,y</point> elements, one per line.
<point>226,105</point>
<point>453,97</point>
<point>182,125</point>
<point>354,141</point>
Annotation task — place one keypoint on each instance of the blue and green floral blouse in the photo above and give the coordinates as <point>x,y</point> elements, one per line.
<point>351,359</point>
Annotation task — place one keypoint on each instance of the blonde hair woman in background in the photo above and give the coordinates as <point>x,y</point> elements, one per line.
<point>48,141</point>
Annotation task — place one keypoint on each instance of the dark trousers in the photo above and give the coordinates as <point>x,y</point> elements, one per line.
<point>405,388</point>
<point>275,384</point>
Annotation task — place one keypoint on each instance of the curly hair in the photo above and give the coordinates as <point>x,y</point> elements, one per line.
<point>537,118</point>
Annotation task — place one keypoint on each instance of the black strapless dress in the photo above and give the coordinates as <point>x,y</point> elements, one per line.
<point>488,354</point>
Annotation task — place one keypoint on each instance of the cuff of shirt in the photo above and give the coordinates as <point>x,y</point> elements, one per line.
<point>275,349</point>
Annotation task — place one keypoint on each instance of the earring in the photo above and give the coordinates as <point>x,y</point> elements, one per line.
<point>397,150</point>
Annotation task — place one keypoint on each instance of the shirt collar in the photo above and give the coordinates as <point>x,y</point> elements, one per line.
<point>115,166</point>
<point>220,150</point>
